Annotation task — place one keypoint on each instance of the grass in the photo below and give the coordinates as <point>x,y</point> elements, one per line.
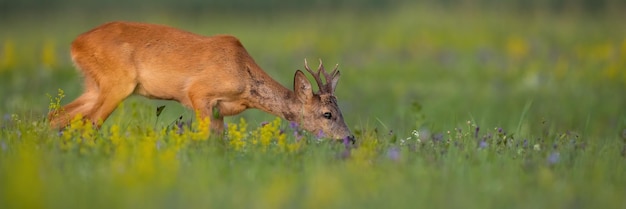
<point>452,108</point>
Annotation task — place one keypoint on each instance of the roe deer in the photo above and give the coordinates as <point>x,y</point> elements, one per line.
<point>203,73</point>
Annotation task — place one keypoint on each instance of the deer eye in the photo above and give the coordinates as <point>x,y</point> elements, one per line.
<point>328,115</point>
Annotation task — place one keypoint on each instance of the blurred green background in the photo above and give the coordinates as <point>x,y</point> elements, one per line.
<point>550,73</point>
<point>406,64</point>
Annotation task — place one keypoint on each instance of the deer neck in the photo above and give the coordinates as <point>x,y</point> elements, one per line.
<point>270,96</point>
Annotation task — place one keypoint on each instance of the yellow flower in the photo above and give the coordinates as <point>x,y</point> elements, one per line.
<point>48,55</point>
<point>296,146</point>
<point>237,134</point>
<point>365,154</point>
<point>517,47</point>
<point>603,51</point>
<point>202,128</point>
<point>268,132</point>
<point>177,140</point>
<point>9,58</point>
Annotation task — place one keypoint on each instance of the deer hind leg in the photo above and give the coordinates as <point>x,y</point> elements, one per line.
<point>109,82</point>
<point>109,98</point>
<point>115,83</point>
<point>82,105</point>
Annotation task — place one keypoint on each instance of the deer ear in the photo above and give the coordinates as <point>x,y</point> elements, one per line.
<point>302,87</point>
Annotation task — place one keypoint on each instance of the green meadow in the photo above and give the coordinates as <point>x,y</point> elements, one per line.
<point>451,106</point>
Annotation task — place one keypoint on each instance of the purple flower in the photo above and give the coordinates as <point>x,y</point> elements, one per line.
<point>320,134</point>
<point>293,125</point>
<point>180,125</point>
<point>554,158</point>
<point>297,135</point>
<point>393,153</point>
<point>349,141</point>
<point>346,142</point>
<point>483,144</point>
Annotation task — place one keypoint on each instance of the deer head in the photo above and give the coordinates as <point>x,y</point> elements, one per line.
<point>320,112</point>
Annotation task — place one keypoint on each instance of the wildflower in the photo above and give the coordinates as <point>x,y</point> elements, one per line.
<point>404,141</point>
<point>271,131</point>
<point>48,55</point>
<point>9,59</point>
<point>517,48</point>
<point>293,125</point>
<point>393,153</point>
<point>348,142</point>
<point>320,134</point>
<point>416,133</point>
<point>179,125</point>
<point>237,134</point>
<point>554,158</point>
<point>537,147</point>
<point>294,147</point>
<point>297,135</point>
<point>115,134</point>
<point>483,144</point>
<point>202,128</point>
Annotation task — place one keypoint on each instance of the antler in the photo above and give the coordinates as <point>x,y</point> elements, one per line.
<point>331,79</point>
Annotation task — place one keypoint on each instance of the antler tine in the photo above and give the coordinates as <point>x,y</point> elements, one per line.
<point>333,73</point>
<point>316,76</point>
<point>329,78</point>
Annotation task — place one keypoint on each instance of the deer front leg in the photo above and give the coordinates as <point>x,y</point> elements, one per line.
<point>206,107</point>
<point>217,119</point>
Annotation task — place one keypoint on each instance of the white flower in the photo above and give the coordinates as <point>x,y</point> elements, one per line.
<point>537,147</point>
